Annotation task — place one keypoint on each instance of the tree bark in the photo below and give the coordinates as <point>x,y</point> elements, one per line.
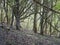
<point>17,16</point>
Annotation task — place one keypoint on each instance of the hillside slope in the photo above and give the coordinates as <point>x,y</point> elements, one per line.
<point>15,37</point>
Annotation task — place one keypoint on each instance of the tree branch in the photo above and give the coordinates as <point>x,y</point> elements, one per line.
<point>46,7</point>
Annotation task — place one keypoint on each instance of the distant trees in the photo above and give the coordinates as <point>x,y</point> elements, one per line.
<point>24,9</point>
<point>47,16</point>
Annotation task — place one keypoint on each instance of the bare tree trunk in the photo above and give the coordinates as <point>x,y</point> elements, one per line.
<point>1,13</point>
<point>51,6</point>
<point>6,9</point>
<point>35,22</point>
<point>1,16</point>
<point>12,20</point>
<point>42,26</point>
<point>13,15</point>
<point>44,18</point>
<point>17,15</point>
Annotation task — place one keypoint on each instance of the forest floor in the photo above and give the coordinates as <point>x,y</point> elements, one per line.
<point>25,37</point>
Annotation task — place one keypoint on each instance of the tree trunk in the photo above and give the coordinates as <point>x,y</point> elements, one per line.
<point>17,16</point>
<point>35,22</point>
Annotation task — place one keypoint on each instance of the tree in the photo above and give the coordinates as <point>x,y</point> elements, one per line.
<point>17,16</point>
<point>35,21</point>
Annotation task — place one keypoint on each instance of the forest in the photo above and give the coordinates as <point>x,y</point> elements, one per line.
<point>29,22</point>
